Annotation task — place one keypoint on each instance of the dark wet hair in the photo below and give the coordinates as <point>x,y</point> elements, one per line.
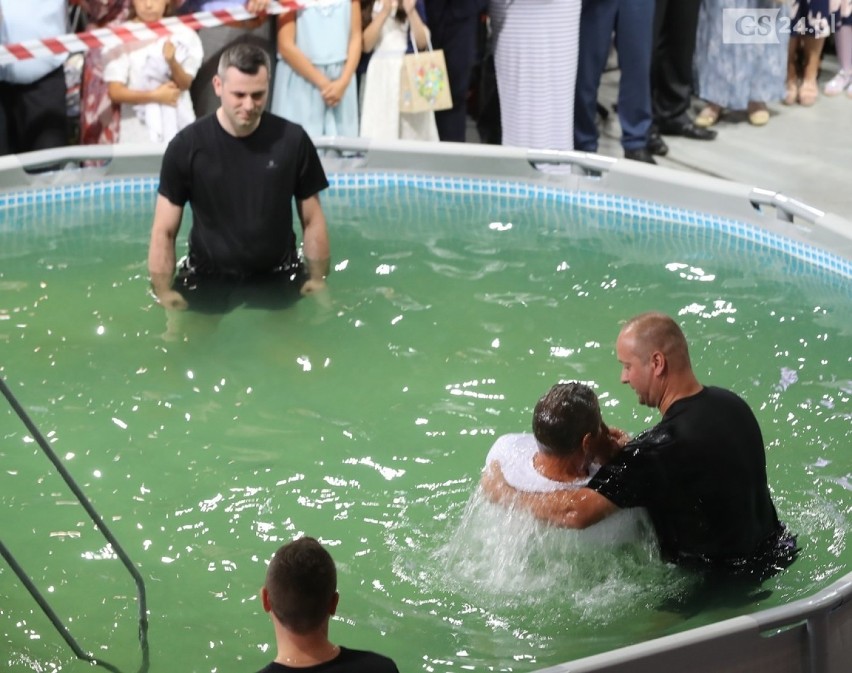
<point>564,416</point>
<point>301,581</point>
<point>246,57</point>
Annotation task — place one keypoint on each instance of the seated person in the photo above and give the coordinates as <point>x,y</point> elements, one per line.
<point>568,444</point>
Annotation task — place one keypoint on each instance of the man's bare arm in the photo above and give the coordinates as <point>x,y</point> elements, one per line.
<point>161,252</point>
<point>315,239</point>
<point>571,508</point>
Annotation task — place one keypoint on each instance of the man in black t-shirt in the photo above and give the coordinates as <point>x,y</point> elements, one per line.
<point>300,595</point>
<point>700,472</point>
<point>239,169</point>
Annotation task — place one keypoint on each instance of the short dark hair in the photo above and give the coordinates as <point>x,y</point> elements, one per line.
<point>564,416</point>
<point>301,581</point>
<point>246,57</point>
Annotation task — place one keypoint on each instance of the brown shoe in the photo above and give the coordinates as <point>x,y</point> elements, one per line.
<point>708,116</point>
<point>758,115</point>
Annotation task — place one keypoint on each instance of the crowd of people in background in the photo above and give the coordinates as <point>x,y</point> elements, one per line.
<point>529,71</point>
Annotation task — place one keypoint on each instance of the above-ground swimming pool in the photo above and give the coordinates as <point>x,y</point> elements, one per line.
<point>364,419</point>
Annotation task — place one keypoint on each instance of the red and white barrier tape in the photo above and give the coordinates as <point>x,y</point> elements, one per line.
<point>136,31</point>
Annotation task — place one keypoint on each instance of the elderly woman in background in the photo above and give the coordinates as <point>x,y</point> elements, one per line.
<point>731,76</point>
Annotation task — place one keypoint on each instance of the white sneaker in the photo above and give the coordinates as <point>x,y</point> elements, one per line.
<point>838,83</point>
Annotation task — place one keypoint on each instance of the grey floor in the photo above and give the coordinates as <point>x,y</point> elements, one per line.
<point>803,152</point>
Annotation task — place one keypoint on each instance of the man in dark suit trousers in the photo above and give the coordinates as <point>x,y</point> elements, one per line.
<point>453,24</point>
<point>675,26</point>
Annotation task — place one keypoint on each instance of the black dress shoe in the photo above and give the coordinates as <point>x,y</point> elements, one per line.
<point>642,154</point>
<point>685,128</point>
<point>656,145</point>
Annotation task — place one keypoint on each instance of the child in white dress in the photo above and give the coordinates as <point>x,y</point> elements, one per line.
<point>151,79</point>
<point>388,31</point>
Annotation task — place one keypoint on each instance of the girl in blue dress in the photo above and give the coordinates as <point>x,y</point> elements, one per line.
<point>319,48</point>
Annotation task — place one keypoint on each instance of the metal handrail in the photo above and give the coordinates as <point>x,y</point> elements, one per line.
<point>99,522</point>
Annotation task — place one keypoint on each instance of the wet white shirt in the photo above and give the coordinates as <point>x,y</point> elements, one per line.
<point>515,453</point>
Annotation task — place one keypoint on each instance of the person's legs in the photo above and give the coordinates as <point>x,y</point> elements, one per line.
<point>675,26</point>
<point>6,94</point>
<point>843,45</point>
<point>791,94</point>
<point>190,325</point>
<point>40,114</point>
<point>488,121</point>
<point>809,90</point>
<point>204,294</point>
<point>273,291</point>
<point>597,20</point>
<point>209,298</point>
<point>458,40</point>
<point>633,35</point>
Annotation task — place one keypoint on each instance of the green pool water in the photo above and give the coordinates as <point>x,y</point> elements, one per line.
<point>364,421</point>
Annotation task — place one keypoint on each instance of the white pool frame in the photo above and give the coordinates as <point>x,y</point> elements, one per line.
<point>812,635</point>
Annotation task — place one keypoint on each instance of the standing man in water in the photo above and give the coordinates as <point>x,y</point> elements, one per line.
<point>700,472</point>
<point>239,169</point>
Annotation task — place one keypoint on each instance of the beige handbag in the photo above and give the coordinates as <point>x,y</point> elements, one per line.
<point>424,84</point>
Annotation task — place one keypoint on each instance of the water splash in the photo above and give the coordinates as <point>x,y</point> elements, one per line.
<point>501,559</point>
